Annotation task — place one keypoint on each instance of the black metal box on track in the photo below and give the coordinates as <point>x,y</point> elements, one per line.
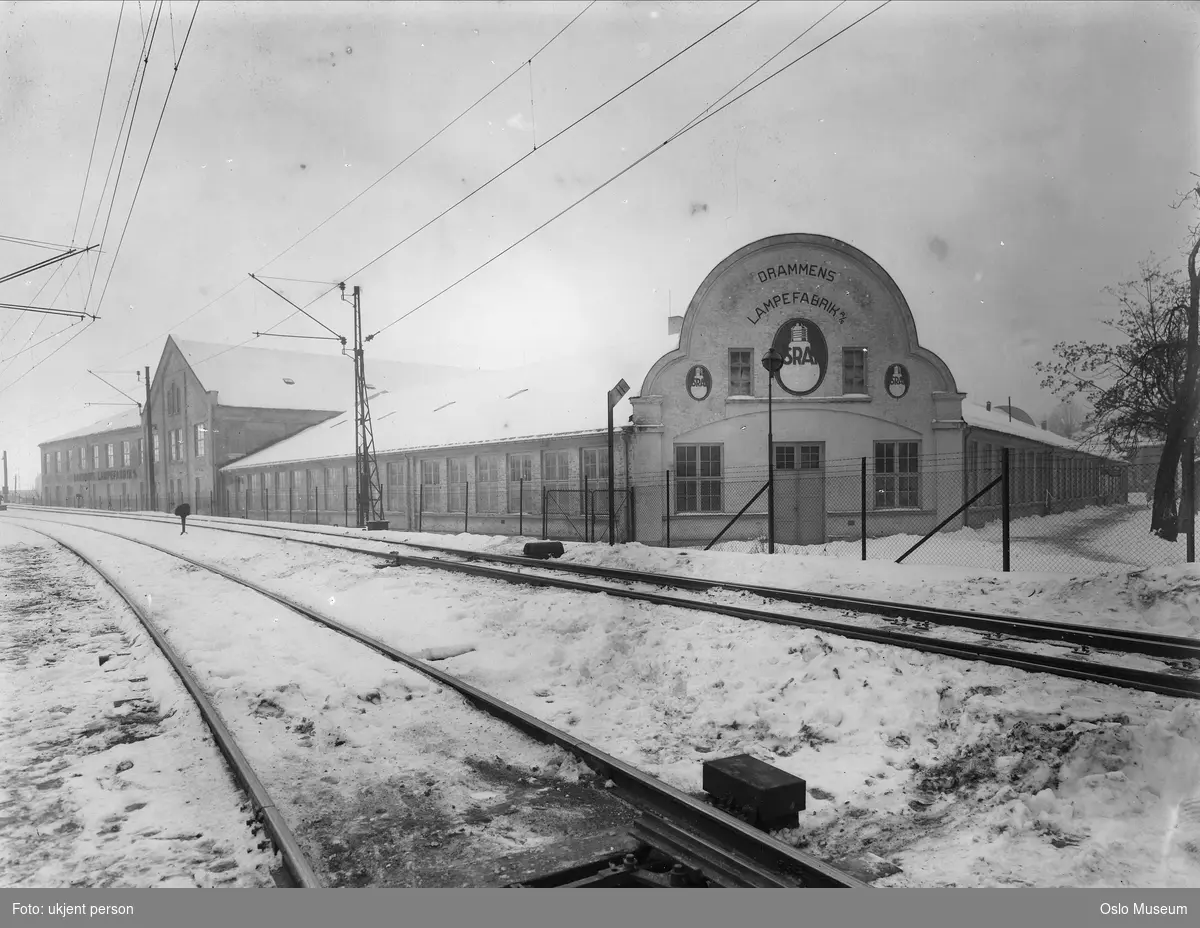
<point>377,526</point>
<point>773,798</point>
<point>544,549</point>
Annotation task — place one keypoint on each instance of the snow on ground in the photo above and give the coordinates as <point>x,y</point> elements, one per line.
<point>384,778</point>
<point>1163,600</point>
<point>110,777</point>
<point>961,773</point>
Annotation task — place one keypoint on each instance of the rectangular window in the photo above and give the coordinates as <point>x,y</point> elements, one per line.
<point>741,381</point>
<point>432,495</point>
<point>198,439</point>
<point>595,465</point>
<point>155,453</point>
<point>46,463</point>
<point>797,457</point>
<point>556,468</point>
<point>698,485</point>
<point>126,454</point>
<point>896,476</point>
<point>522,494</point>
<point>57,461</point>
<point>489,483</point>
<point>95,457</point>
<point>456,485</point>
<point>854,371</point>
<point>141,451</point>
<point>395,486</point>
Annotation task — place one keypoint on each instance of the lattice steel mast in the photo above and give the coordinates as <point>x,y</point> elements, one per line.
<point>368,491</point>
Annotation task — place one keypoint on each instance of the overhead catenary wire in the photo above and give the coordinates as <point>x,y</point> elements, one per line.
<point>399,164</point>
<point>95,137</point>
<point>688,128</point>
<point>149,152</point>
<point>145,67</point>
<point>504,80</point>
<point>495,177</point>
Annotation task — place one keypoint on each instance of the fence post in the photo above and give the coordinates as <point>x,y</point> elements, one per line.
<point>863,513</point>
<point>466,504</point>
<point>545,518</point>
<point>291,501</point>
<point>421,506</point>
<point>1004,506</point>
<point>521,506</point>
<point>246,502</point>
<point>584,510</point>
<point>630,535</point>
<point>668,506</point>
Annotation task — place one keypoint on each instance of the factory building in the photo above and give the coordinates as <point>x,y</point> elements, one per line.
<point>501,451</point>
<point>861,417</point>
<point>100,466</point>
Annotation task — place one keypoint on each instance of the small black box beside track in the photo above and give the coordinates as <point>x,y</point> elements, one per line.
<point>377,526</point>
<point>771,797</point>
<point>544,549</point>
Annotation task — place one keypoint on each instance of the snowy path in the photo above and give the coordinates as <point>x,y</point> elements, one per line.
<point>110,777</point>
<point>385,779</point>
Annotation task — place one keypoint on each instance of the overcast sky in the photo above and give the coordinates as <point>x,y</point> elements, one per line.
<point>1003,161</point>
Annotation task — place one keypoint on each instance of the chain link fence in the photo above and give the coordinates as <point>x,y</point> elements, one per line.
<point>1020,509</point>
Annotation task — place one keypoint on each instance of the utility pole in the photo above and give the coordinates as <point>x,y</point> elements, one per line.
<point>150,444</point>
<point>4,498</point>
<point>368,492</point>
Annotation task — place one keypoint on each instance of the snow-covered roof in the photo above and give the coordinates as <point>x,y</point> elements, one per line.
<point>266,378</point>
<point>996,421</point>
<point>566,396</point>
<point>129,419</point>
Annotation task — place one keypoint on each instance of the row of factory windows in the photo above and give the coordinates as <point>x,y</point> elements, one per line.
<point>505,483</point>
<point>1039,476</point>
<point>498,484</point>
<point>77,459</point>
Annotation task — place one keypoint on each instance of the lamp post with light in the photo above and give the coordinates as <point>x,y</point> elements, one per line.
<point>772,361</point>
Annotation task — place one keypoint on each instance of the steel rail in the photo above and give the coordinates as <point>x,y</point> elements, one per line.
<point>709,827</point>
<point>1179,686</point>
<point>285,842</point>
<point>1152,644</point>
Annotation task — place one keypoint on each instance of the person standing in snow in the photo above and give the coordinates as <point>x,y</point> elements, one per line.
<point>183,510</point>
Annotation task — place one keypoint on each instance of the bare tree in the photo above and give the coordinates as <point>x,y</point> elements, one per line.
<point>1143,387</point>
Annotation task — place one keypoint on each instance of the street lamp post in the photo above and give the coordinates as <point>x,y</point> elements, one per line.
<point>772,361</point>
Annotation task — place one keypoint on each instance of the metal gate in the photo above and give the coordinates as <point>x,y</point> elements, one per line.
<point>582,514</point>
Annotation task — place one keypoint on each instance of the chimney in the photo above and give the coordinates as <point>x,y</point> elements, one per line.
<point>989,405</point>
<point>674,325</point>
<point>1043,425</point>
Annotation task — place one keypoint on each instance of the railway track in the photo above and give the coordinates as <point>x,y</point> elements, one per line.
<point>678,840</point>
<point>1177,659</point>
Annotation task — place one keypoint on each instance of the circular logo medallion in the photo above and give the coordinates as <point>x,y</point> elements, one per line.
<point>805,356</point>
<point>699,382</point>
<point>895,380</point>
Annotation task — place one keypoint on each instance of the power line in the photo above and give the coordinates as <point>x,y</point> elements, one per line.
<point>688,128</point>
<point>142,67</point>
<point>427,142</point>
<point>103,96</point>
<point>761,66</point>
<point>528,154</point>
<point>243,280</point>
<point>149,152</point>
